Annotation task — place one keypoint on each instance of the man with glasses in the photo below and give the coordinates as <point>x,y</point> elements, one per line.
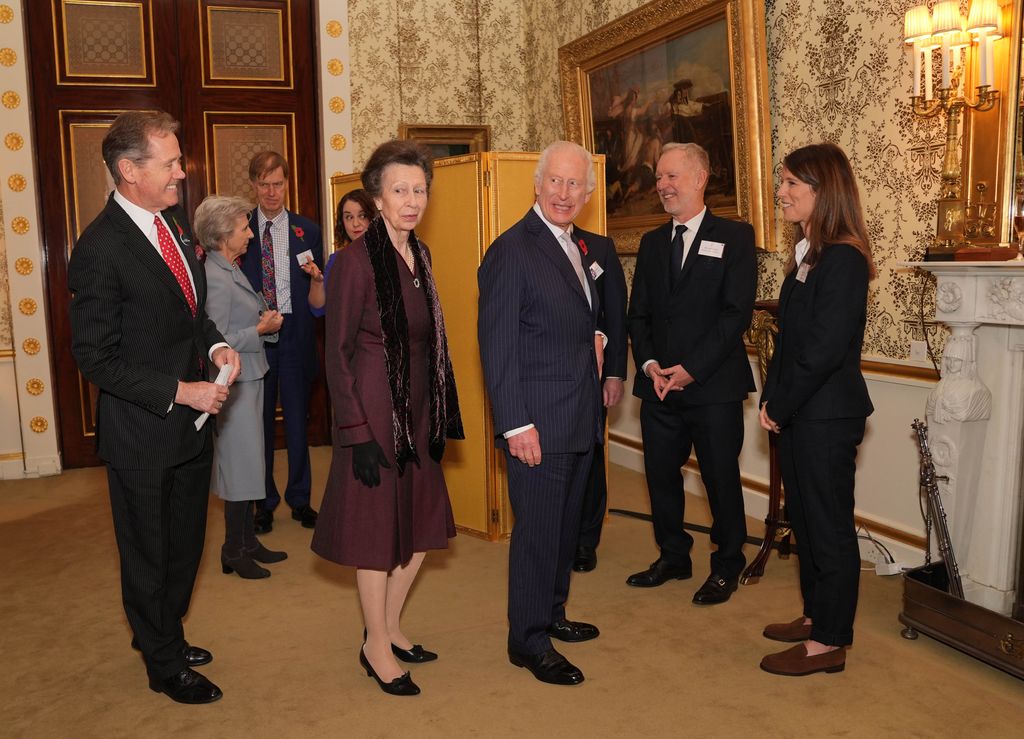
<point>280,239</point>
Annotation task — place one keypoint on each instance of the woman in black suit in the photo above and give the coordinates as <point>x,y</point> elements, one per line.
<point>815,398</point>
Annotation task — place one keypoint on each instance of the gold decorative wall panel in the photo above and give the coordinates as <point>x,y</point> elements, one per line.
<point>6,333</point>
<point>234,138</point>
<point>87,183</point>
<point>246,44</point>
<point>104,43</point>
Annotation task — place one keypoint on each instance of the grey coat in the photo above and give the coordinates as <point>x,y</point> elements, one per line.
<point>238,465</point>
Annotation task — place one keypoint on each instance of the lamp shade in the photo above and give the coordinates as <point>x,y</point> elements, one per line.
<point>960,40</point>
<point>984,16</point>
<point>917,24</point>
<point>946,17</point>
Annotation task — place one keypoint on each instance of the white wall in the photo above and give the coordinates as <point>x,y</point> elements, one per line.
<point>887,463</point>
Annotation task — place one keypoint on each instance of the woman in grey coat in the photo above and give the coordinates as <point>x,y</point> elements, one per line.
<point>222,225</point>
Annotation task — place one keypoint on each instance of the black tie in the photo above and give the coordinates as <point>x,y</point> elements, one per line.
<point>677,253</point>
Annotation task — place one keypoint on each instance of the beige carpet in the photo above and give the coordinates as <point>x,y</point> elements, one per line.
<point>286,648</point>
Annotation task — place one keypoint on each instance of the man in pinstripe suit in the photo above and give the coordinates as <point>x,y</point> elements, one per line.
<point>139,332</point>
<point>540,350</point>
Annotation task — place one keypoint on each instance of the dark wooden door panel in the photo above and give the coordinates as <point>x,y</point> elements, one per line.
<point>201,64</point>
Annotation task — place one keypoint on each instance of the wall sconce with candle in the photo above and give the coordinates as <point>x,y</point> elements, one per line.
<point>960,41</point>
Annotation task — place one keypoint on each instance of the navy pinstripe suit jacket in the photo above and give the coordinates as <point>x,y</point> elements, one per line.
<point>134,336</point>
<point>536,333</point>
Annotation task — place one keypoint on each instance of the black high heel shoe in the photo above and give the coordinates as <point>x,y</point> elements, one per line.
<point>402,685</point>
<point>415,655</point>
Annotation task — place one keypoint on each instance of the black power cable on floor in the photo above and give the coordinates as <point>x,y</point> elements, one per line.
<point>757,541</point>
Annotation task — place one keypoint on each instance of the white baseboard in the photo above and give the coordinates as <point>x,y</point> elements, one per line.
<point>755,504</point>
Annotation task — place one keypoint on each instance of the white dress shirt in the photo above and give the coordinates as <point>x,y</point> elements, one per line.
<point>688,236</point>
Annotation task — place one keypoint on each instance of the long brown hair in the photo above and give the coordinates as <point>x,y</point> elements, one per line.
<point>361,197</point>
<point>838,217</point>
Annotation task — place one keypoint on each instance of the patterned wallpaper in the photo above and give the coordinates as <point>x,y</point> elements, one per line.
<point>837,71</point>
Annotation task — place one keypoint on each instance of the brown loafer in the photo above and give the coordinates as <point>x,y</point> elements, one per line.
<point>795,661</point>
<point>795,630</point>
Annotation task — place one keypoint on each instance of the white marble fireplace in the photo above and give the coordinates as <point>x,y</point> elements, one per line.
<point>976,421</point>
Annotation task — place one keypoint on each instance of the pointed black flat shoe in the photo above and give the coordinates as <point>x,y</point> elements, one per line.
<point>402,685</point>
<point>414,655</point>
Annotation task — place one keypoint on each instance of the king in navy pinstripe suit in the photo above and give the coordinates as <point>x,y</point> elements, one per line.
<point>139,331</point>
<point>537,331</point>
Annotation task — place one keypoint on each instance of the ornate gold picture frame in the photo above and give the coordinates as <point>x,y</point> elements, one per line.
<point>692,70</point>
<point>448,141</point>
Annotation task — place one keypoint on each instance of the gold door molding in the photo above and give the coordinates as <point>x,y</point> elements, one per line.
<point>247,45</point>
<point>103,42</point>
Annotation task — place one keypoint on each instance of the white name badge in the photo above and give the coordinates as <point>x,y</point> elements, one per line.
<point>801,274</point>
<point>711,249</point>
<point>595,270</point>
<point>305,257</point>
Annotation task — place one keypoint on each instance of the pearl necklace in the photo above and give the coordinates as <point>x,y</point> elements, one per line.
<point>410,263</point>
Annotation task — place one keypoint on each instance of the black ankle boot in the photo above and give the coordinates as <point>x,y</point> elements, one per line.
<point>244,566</point>
<point>233,557</point>
<point>252,546</point>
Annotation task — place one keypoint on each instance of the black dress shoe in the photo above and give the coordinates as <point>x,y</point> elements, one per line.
<point>264,522</point>
<point>548,667</point>
<point>305,515</point>
<point>197,656</point>
<point>716,589</point>
<point>194,656</point>
<point>416,654</point>
<point>401,685</point>
<point>571,631</point>
<point>586,559</point>
<point>659,573</point>
<point>187,686</point>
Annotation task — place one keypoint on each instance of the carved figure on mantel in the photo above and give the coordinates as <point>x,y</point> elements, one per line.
<point>958,412</point>
<point>959,395</point>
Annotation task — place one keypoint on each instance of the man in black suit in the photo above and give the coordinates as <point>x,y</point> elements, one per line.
<point>601,261</point>
<point>539,346</point>
<point>272,265</point>
<point>140,333</point>
<point>692,299</point>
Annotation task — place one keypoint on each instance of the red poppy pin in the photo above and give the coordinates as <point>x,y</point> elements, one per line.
<point>583,247</point>
<point>299,233</point>
<point>181,233</point>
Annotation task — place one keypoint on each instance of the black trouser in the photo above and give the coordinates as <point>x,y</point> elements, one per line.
<point>715,432</point>
<point>288,374</point>
<point>819,462</point>
<point>595,497</point>
<point>160,526</point>
<point>546,502</point>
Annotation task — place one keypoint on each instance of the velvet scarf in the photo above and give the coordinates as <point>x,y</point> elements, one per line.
<point>445,419</point>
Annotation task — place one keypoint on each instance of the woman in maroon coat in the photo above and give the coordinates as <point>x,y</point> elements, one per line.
<point>393,393</point>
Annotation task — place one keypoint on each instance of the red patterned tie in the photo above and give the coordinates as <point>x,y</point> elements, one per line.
<point>269,277</point>
<point>174,261</point>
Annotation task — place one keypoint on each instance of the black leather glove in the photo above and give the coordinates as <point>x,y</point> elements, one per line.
<point>367,459</point>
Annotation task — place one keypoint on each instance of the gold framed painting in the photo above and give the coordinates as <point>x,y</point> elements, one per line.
<point>448,141</point>
<point>674,70</point>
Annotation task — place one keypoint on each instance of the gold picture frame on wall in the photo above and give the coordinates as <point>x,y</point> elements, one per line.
<point>448,141</point>
<point>674,70</point>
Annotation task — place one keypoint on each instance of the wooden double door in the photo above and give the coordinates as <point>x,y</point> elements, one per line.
<point>239,75</point>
